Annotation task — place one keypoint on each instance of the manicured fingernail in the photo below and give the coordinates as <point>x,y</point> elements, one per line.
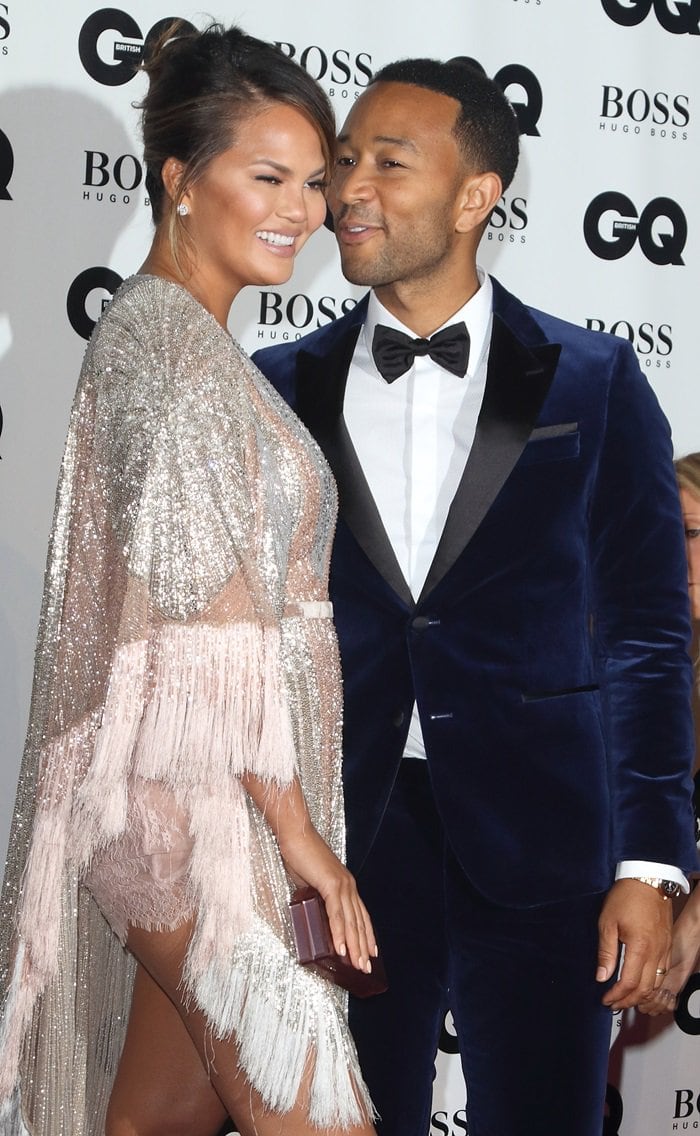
<point>368,967</point>
<point>342,950</point>
<point>376,952</point>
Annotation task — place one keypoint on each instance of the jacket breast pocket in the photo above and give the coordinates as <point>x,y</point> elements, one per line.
<point>561,442</point>
<point>558,692</point>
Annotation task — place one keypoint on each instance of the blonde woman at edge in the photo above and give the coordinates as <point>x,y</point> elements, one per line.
<point>685,952</point>
<point>182,770</point>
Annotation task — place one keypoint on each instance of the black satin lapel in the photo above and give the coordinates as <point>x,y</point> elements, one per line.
<point>517,382</point>
<point>321,383</point>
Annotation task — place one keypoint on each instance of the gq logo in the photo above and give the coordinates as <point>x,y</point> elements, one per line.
<point>661,228</point>
<point>7,165</point>
<point>81,290</point>
<point>680,17</point>
<point>4,27</point>
<point>121,67</point>
<point>515,75</point>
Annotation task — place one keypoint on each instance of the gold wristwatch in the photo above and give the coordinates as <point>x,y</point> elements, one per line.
<point>669,889</point>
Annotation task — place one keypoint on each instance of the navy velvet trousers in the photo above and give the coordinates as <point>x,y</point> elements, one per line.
<point>533,1036</point>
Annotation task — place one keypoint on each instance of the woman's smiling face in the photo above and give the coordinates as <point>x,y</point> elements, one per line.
<point>256,203</point>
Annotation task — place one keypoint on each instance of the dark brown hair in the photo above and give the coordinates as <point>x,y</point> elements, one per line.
<point>202,86</point>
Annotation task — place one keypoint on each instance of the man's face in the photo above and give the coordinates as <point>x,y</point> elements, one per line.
<point>396,188</point>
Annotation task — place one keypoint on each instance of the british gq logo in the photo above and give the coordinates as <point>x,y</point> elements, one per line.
<point>655,114</point>
<point>513,79</point>
<point>4,28</point>
<point>282,318</point>
<point>114,62</point>
<point>613,225</point>
<point>653,342</point>
<point>111,179</point>
<point>344,74</point>
<point>7,165</point>
<point>508,221</point>
<point>680,17</point>
<point>83,307</point>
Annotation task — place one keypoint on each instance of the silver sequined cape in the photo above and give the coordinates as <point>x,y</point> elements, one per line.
<point>183,640</point>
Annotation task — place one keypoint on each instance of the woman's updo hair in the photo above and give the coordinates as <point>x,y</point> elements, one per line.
<point>688,473</point>
<point>202,86</point>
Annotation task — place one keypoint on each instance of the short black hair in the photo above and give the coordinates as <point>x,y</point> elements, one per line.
<point>486,128</point>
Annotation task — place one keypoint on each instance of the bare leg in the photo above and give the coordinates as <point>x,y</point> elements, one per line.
<point>161,1085</point>
<point>175,1078</point>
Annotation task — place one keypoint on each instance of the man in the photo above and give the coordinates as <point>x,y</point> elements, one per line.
<point>508,581</point>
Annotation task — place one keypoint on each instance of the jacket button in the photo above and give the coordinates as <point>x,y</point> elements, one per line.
<point>420,623</point>
<point>397,718</point>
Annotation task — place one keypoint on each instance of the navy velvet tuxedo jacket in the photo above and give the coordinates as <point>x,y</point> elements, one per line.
<point>548,649</point>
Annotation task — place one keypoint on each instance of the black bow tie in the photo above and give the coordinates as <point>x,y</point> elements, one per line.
<point>394,352</point>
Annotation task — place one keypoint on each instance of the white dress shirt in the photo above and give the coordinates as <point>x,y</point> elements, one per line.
<point>413,437</point>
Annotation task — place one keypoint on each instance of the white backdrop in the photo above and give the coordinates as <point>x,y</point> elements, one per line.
<point>601,226</point>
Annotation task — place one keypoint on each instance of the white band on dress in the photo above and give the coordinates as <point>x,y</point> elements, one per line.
<point>310,609</point>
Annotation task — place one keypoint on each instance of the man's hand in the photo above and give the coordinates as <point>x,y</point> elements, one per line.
<point>638,916</point>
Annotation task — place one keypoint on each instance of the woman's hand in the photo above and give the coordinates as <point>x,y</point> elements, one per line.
<point>684,959</point>
<point>665,997</point>
<point>309,860</point>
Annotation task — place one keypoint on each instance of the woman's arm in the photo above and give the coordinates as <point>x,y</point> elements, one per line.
<point>309,860</point>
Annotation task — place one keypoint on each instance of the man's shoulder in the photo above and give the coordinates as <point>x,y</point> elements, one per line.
<point>575,337</point>
<point>535,324</point>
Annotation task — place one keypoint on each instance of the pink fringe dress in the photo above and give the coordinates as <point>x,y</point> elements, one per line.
<point>184,639</point>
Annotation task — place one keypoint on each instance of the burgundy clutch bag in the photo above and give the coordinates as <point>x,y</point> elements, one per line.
<point>312,935</point>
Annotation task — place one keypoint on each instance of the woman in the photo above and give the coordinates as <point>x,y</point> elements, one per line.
<point>685,951</point>
<point>182,764</point>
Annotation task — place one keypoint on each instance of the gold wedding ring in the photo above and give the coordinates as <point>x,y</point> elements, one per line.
<point>661,970</point>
